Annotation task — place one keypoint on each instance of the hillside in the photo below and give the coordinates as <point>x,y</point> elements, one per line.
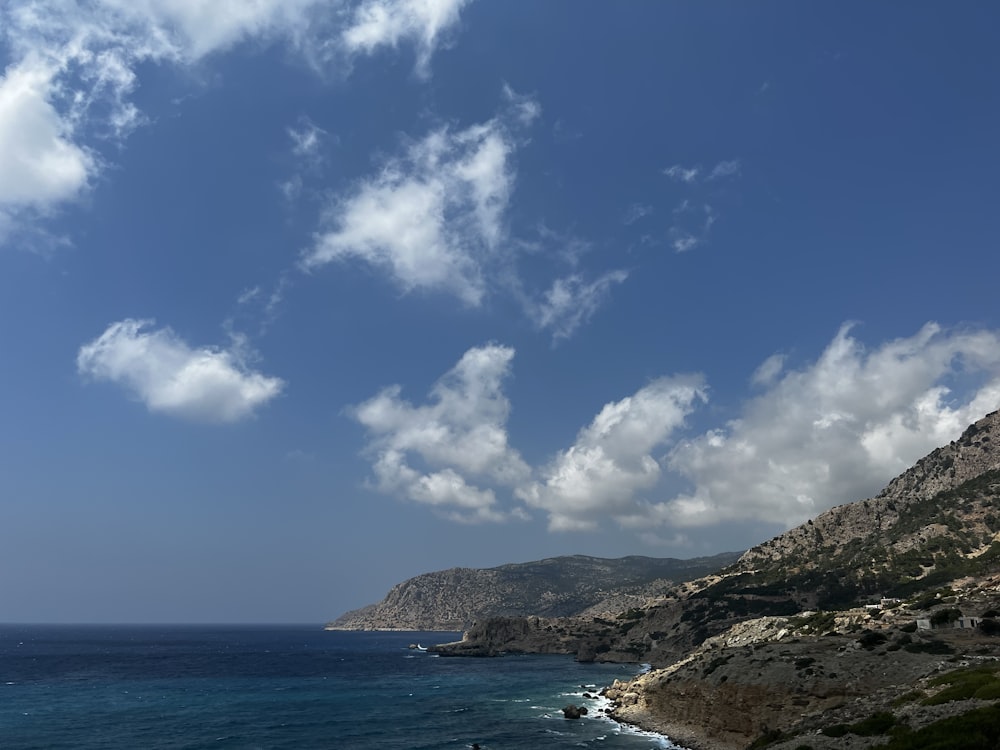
<point>851,615</point>
<point>555,587</point>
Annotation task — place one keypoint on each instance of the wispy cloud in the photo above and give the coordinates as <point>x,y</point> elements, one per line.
<point>697,173</point>
<point>691,227</point>
<point>206,384</point>
<point>307,139</point>
<point>682,174</point>
<point>635,212</point>
<point>725,169</point>
<point>570,302</point>
<point>385,23</point>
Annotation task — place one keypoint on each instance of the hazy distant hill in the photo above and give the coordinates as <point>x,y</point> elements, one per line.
<point>556,587</point>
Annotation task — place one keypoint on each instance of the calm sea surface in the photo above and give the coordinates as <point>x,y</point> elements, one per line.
<point>287,687</point>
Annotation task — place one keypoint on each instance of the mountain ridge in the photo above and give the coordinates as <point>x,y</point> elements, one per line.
<point>566,586</point>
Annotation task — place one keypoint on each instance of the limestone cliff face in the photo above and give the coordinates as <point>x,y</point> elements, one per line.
<point>556,587</point>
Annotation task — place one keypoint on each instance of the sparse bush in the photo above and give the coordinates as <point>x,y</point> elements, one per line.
<point>963,684</point>
<point>974,730</point>
<point>929,647</point>
<point>877,723</point>
<point>989,626</point>
<point>869,639</point>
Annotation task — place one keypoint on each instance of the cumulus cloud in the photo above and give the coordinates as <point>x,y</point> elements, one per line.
<point>432,218</point>
<point>204,384</point>
<point>570,302</point>
<point>836,430</point>
<point>380,23</point>
<point>39,164</point>
<point>430,454</point>
<point>601,474</point>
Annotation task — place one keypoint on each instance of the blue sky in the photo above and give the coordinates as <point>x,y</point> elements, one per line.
<point>300,298</point>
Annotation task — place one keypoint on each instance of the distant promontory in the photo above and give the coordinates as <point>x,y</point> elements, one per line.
<point>454,599</point>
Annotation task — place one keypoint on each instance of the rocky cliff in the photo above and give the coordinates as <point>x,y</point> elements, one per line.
<point>878,616</point>
<point>555,587</point>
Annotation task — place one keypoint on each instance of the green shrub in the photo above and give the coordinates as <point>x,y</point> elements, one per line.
<point>963,684</point>
<point>908,698</point>
<point>929,647</point>
<point>974,730</point>
<point>990,692</point>
<point>989,626</point>
<point>877,723</point>
<point>869,639</point>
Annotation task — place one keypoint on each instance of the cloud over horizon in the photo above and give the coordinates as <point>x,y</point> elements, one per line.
<point>831,431</point>
<point>836,430</point>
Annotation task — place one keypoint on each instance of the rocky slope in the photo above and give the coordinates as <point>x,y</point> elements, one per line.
<point>975,453</point>
<point>556,587</point>
<point>783,639</point>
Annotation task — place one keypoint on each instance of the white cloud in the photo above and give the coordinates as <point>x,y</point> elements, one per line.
<point>433,218</point>
<point>459,435</point>
<point>66,93</point>
<point>769,370</point>
<point>205,384</point>
<point>40,166</point>
<point>570,302</point>
<point>834,431</point>
<point>378,23</point>
<point>611,460</point>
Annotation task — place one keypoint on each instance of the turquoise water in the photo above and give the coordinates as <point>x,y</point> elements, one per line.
<point>288,687</point>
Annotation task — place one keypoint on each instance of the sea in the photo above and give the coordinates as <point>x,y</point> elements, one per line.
<point>186,687</point>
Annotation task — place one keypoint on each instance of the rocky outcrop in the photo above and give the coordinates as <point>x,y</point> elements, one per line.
<point>556,587</point>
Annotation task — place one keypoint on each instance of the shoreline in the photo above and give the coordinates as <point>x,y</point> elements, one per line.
<point>680,736</point>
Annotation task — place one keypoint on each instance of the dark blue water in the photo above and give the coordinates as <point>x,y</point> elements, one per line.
<point>287,687</point>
